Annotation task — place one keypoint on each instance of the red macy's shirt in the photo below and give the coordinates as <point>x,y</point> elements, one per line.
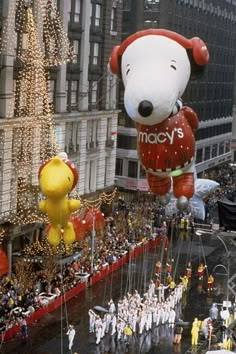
<point>169,145</point>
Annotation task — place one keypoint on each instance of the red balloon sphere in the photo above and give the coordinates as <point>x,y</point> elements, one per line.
<point>94,216</point>
<point>3,262</point>
<point>79,227</point>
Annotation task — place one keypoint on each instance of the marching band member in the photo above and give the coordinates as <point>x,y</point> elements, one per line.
<point>98,329</point>
<point>92,317</point>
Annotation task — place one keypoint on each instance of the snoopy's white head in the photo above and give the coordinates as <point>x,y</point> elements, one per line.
<point>155,67</point>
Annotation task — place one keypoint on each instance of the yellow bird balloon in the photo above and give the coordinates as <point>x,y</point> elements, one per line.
<point>57,177</point>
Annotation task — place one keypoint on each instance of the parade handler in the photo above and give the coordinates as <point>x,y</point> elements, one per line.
<point>195,331</point>
<point>178,330</point>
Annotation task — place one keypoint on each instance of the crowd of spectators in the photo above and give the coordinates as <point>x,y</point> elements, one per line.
<point>123,230</point>
<point>131,223</point>
<point>226,177</point>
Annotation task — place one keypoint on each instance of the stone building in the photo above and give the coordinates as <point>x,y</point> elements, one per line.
<point>81,92</point>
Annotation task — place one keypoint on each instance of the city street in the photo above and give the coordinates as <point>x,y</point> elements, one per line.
<point>48,336</point>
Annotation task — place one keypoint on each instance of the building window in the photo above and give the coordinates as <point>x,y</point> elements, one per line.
<point>142,173</point>
<point>207,153</point>
<point>127,5</point>
<point>214,150</point>
<point>222,148</point>
<point>132,169</point>
<point>106,171</point>
<point>76,44</point>
<point>97,15</point>
<point>119,167</point>
<point>114,19</point>
<point>199,156</point>
<point>95,53</point>
<point>91,176</point>
<point>72,138</point>
<point>72,94</point>
<point>124,143</point>
<point>109,128</point>
<point>227,146</point>
<point>93,93</point>
<point>92,134</point>
<point>75,10</point>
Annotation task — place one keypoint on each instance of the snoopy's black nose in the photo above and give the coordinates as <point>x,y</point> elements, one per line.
<point>145,108</point>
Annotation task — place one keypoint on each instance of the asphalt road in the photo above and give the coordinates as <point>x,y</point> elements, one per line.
<point>48,336</point>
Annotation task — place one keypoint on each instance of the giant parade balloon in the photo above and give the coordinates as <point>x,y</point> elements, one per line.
<point>57,177</point>
<point>155,66</point>
<point>203,188</point>
<point>94,218</point>
<point>3,262</point>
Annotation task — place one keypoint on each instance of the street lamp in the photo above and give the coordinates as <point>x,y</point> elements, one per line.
<point>200,233</point>
<point>93,235</point>
<point>228,265</point>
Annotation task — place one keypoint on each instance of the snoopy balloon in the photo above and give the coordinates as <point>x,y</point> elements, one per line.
<point>155,66</point>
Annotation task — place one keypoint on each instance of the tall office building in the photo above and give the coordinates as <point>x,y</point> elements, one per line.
<point>211,96</point>
<point>81,92</point>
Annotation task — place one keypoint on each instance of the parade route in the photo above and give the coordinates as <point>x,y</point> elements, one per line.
<point>48,336</point>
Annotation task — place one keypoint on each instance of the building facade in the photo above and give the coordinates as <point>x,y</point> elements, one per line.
<point>211,96</point>
<point>81,92</point>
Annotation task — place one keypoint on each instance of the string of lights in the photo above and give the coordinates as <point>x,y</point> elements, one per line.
<point>34,140</point>
<point>103,198</point>
<point>42,248</point>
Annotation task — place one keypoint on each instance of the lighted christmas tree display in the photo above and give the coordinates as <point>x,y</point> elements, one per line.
<point>41,43</point>
<point>57,49</point>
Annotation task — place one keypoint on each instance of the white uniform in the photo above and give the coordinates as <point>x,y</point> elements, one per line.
<point>112,307</point>
<point>161,292</point>
<point>92,316</point>
<point>71,336</point>
<point>142,321</point>
<point>148,320</point>
<point>213,312</point>
<point>113,325</point>
<point>151,289</point>
<point>98,329</point>
<point>104,323</point>
<point>137,298</point>
<point>108,321</point>
<point>171,319</point>
<point>224,314</point>
<point>120,327</point>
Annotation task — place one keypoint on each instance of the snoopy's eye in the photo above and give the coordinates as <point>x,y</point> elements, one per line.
<point>127,71</point>
<point>173,66</point>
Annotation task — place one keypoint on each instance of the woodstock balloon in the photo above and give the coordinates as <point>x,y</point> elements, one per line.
<point>155,66</point>
<point>57,177</point>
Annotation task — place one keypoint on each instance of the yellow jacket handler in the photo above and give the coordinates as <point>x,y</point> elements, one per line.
<point>195,331</point>
<point>127,333</point>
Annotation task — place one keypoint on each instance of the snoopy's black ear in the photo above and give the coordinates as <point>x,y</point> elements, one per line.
<point>196,70</point>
